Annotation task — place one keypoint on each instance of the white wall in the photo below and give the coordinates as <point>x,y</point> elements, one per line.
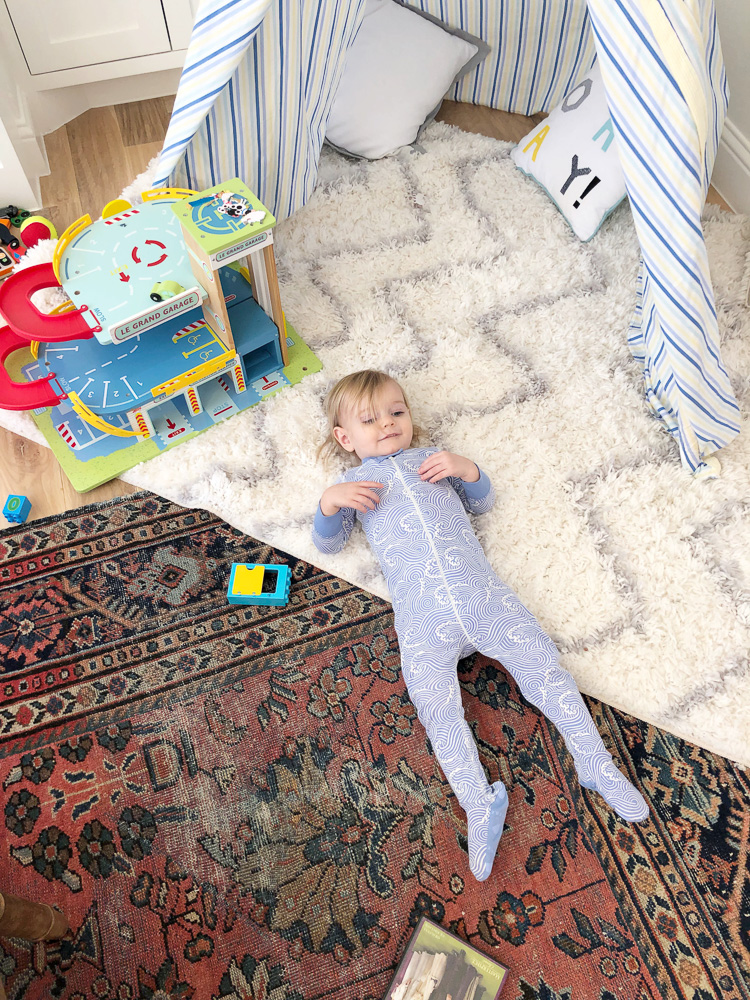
<point>731,176</point>
<point>734,28</point>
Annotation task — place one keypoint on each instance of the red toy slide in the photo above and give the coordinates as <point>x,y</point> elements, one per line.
<point>22,395</point>
<point>26,321</point>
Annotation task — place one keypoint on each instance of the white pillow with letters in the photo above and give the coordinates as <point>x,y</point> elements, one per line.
<point>572,154</point>
<point>399,67</point>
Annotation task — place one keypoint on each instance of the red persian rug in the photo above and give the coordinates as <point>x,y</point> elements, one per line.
<point>238,803</point>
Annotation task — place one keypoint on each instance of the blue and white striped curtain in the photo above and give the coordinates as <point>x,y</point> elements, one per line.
<point>260,77</point>
<point>268,105</point>
<point>540,48</point>
<point>663,71</point>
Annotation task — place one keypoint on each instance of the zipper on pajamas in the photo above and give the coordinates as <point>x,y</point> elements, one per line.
<point>434,552</point>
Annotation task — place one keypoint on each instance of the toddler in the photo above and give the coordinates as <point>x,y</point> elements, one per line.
<point>447,600</point>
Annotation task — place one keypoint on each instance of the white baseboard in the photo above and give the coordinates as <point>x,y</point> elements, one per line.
<point>53,108</point>
<point>731,176</point>
<point>144,87</point>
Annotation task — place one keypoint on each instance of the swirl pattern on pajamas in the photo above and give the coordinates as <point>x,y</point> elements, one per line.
<point>448,602</point>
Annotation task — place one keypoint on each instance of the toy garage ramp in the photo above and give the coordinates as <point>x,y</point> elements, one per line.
<point>114,265</point>
<point>23,395</point>
<point>28,323</point>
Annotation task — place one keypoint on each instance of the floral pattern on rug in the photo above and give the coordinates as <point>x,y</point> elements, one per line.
<point>238,802</point>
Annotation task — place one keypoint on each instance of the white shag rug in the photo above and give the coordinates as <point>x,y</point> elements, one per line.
<point>455,273</point>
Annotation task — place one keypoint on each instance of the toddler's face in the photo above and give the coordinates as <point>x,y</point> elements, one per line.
<point>380,429</point>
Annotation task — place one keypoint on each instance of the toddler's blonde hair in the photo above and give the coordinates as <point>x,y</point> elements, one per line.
<point>351,390</point>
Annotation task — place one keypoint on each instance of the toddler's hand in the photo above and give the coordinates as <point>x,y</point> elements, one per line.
<point>361,496</point>
<point>445,463</point>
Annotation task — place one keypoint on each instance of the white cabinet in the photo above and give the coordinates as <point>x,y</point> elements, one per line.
<point>180,15</point>
<point>69,34</point>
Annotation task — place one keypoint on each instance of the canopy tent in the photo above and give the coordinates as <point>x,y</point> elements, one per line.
<point>260,76</point>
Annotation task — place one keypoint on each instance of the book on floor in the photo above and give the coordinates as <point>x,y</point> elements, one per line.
<point>437,965</point>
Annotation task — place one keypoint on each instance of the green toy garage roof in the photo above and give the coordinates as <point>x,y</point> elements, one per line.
<point>215,231</point>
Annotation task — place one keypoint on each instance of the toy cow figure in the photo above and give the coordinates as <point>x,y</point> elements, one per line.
<point>238,208</point>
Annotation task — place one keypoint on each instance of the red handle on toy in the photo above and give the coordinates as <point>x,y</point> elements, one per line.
<point>23,317</point>
<point>22,395</point>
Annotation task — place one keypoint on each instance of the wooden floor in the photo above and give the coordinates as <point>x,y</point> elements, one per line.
<point>91,160</point>
<point>96,155</point>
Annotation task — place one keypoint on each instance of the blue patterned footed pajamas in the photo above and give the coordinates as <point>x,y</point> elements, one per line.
<point>447,603</point>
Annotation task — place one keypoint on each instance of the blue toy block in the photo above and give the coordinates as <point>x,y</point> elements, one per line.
<point>259,584</point>
<point>17,508</point>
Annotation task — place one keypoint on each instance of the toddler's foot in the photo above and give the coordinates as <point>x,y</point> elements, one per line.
<point>600,773</point>
<point>485,827</point>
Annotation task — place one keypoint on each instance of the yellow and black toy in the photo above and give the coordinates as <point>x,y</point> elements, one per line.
<point>251,583</point>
